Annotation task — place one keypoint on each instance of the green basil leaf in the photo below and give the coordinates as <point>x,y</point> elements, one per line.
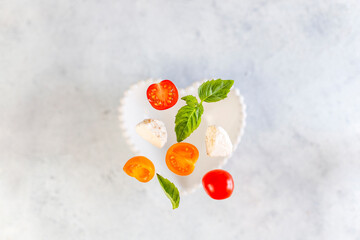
<point>170,190</point>
<point>190,100</point>
<point>187,120</point>
<point>214,90</point>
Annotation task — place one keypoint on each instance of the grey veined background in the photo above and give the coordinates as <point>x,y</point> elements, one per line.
<point>65,64</point>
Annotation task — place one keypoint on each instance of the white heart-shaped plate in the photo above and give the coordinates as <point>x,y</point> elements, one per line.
<point>228,113</point>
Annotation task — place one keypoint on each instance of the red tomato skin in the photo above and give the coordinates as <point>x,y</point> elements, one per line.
<point>218,184</point>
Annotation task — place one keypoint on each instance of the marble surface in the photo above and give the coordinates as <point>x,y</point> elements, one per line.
<point>65,64</point>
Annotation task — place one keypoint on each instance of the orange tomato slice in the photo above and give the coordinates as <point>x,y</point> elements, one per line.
<point>181,158</point>
<point>140,168</point>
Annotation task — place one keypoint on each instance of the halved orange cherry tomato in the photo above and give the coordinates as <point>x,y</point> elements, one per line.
<point>181,158</point>
<point>162,95</point>
<point>140,168</point>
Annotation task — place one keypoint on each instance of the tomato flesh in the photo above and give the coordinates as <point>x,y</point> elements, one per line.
<point>181,158</point>
<point>140,168</point>
<point>162,95</point>
<point>218,184</point>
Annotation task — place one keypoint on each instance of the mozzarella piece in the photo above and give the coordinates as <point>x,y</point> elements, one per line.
<point>153,131</point>
<point>218,143</point>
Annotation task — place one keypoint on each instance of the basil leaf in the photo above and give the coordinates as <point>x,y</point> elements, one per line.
<point>187,120</point>
<point>170,190</point>
<point>190,100</point>
<point>214,90</point>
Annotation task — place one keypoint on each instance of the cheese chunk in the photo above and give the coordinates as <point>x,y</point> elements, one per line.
<point>153,131</point>
<point>218,143</point>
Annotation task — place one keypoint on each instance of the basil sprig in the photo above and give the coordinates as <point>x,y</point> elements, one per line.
<point>188,118</point>
<point>215,90</point>
<point>170,190</point>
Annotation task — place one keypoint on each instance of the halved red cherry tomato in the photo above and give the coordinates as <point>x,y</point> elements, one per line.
<point>140,168</point>
<point>162,95</point>
<point>218,183</point>
<point>181,158</point>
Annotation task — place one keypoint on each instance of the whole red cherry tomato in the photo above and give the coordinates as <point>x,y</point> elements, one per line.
<point>218,184</point>
<point>162,95</point>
